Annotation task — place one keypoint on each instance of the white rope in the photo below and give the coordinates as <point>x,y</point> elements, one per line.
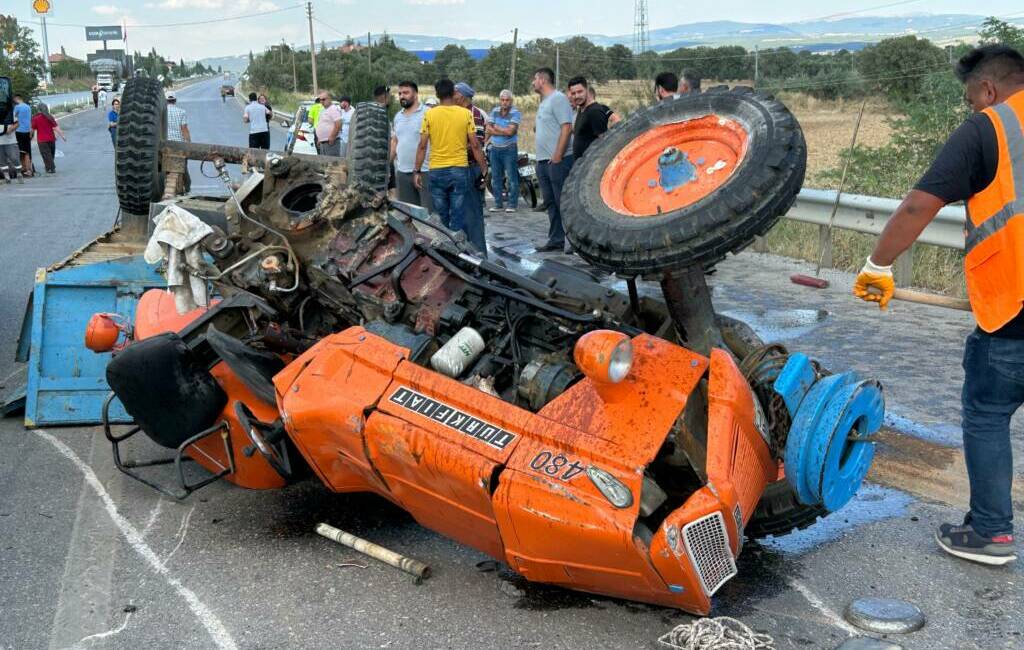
<point>722,633</point>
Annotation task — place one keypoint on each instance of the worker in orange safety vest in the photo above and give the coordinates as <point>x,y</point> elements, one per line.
<point>982,163</point>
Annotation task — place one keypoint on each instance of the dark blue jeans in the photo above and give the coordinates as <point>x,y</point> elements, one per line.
<point>473,212</point>
<point>552,178</point>
<point>448,192</point>
<point>993,391</point>
<point>505,165</point>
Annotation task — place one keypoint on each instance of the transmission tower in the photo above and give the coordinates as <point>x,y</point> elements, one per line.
<point>641,39</point>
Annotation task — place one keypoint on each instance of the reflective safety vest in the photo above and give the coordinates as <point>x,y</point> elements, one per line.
<point>994,264</point>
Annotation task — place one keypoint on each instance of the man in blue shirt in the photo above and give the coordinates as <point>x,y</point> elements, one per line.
<point>504,154</point>
<point>23,113</point>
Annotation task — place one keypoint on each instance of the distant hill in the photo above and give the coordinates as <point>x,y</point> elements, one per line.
<point>853,33</point>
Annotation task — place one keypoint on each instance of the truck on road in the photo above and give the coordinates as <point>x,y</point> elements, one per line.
<point>109,73</point>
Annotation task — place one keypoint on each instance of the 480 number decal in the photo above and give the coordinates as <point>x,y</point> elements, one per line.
<point>557,465</point>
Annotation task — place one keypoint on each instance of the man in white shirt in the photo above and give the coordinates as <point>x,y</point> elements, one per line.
<point>405,138</point>
<point>347,111</point>
<point>256,115</point>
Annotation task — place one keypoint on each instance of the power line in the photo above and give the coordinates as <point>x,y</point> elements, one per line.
<point>192,22</point>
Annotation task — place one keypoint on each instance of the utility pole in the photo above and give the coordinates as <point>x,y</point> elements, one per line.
<point>46,50</point>
<point>558,64</point>
<point>756,65</point>
<point>312,46</point>
<point>369,54</point>
<point>295,76</point>
<point>512,75</point>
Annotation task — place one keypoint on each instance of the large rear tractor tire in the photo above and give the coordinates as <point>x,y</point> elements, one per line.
<point>780,513</point>
<point>685,182</point>
<point>368,147</point>
<point>141,130</point>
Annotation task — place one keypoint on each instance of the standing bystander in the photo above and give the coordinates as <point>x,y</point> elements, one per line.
<point>103,97</point>
<point>666,86</point>
<point>23,134</point>
<point>177,130</point>
<point>46,129</point>
<point>115,109</point>
<point>474,206</point>
<point>690,82</point>
<point>95,96</point>
<point>449,131</point>
<point>405,140</point>
<point>10,156</point>
<point>591,120</point>
<point>256,115</point>
<point>554,125</point>
<point>347,111</point>
<point>504,152</point>
<point>328,126</point>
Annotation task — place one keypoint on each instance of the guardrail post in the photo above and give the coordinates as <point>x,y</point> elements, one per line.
<point>903,268</point>
<point>825,246</point>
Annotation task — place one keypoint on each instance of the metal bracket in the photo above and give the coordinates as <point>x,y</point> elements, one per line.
<point>185,488</point>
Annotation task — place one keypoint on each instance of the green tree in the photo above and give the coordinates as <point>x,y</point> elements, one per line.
<point>620,62</point>
<point>455,63</point>
<point>994,30</point>
<point>19,57</point>
<point>492,71</point>
<point>897,67</point>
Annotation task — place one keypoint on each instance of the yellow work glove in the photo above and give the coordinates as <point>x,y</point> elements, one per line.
<point>875,284</point>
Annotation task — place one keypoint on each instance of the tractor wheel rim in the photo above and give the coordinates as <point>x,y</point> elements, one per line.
<point>673,165</point>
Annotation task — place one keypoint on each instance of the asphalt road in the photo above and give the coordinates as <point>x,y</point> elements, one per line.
<point>91,559</point>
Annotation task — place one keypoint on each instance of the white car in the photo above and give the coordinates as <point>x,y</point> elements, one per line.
<point>301,138</point>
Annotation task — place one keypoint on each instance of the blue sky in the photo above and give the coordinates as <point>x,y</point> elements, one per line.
<point>491,19</point>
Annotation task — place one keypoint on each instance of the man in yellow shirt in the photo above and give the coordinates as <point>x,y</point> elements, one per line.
<point>450,132</point>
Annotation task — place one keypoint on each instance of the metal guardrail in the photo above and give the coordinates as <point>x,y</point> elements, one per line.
<point>869,214</point>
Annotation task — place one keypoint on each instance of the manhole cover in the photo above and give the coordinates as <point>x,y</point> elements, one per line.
<point>885,615</point>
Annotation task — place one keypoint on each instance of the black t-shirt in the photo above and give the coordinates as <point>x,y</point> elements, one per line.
<point>965,166</point>
<point>591,123</point>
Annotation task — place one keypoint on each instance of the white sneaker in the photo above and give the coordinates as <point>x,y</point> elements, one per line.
<point>494,210</point>
<point>510,209</point>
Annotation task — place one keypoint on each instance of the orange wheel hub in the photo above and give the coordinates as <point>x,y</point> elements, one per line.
<point>673,165</point>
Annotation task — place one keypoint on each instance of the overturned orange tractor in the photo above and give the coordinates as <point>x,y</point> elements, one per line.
<point>595,439</point>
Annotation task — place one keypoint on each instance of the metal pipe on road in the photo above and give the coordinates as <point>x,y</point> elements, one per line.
<point>409,565</point>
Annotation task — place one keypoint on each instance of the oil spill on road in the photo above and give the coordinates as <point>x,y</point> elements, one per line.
<point>779,325</point>
<point>536,597</point>
<point>872,503</point>
<point>299,508</point>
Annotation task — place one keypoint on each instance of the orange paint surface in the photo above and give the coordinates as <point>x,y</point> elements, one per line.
<point>626,183</point>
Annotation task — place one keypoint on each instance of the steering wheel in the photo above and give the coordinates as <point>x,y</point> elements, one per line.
<point>266,439</point>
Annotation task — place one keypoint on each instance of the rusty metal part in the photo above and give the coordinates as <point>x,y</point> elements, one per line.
<point>377,552</point>
<point>689,304</point>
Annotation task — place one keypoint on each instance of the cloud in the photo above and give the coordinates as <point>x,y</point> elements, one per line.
<point>106,10</point>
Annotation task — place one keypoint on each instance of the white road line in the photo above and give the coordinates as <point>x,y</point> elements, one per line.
<point>152,516</point>
<point>220,635</point>
<point>102,635</point>
<point>818,604</point>
<point>182,531</point>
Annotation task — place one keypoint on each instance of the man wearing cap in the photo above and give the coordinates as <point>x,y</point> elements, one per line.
<point>474,206</point>
<point>177,128</point>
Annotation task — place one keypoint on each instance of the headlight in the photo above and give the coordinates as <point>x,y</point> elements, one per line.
<point>604,356</point>
<point>612,488</point>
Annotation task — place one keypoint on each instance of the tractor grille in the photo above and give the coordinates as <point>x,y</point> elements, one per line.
<point>707,543</point>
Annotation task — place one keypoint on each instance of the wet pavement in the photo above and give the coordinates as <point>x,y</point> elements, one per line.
<point>91,559</point>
